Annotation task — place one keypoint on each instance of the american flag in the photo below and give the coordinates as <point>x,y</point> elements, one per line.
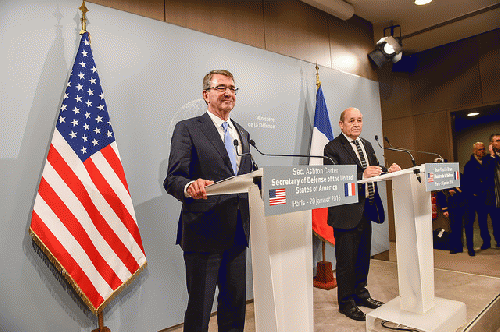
<point>277,196</point>
<point>83,217</point>
<point>430,177</point>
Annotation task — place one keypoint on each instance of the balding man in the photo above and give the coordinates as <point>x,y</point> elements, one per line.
<point>352,222</point>
<point>481,194</point>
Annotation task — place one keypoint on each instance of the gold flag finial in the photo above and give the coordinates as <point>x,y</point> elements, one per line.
<point>84,21</point>
<point>318,82</point>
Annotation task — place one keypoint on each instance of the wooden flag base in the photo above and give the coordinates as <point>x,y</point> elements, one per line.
<point>101,323</point>
<point>324,277</point>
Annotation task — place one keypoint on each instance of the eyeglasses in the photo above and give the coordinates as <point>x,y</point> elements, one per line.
<point>222,88</point>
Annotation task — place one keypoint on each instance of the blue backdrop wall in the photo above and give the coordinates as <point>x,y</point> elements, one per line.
<point>151,73</point>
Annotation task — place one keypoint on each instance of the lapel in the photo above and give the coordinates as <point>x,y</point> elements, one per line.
<point>208,128</point>
<point>348,148</point>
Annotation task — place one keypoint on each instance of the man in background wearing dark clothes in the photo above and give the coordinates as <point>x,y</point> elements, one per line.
<point>492,165</point>
<point>480,192</point>
<point>352,222</point>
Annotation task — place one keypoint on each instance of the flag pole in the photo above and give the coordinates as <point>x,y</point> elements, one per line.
<point>324,278</point>
<point>100,317</point>
<point>84,19</point>
<point>84,10</point>
<point>318,85</point>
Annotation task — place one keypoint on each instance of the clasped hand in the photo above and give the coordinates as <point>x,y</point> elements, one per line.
<point>197,189</point>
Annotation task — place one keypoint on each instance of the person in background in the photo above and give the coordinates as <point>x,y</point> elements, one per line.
<point>453,203</point>
<point>352,222</point>
<point>480,193</point>
<point>492,164</point>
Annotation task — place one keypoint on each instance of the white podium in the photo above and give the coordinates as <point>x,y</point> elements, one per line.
<point>281,248</point>
<point>416,306</point>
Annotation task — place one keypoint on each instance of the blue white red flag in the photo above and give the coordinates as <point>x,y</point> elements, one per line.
<point>350,189</point>
<point>322,134</point>
<point>456,175</point>
<point>83,217</point>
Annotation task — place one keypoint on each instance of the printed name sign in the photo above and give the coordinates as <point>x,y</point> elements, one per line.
<point>299,188</point>
<point>440,176</point>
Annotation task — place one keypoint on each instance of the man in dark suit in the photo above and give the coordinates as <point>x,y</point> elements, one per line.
<point>492,164</point>
<point>213,231</point>
<point>352,222</point>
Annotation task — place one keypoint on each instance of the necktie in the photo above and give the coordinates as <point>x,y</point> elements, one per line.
<point>228,142</point>
<point>364,164</point>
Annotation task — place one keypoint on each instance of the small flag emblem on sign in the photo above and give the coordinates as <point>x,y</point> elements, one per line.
<point>277,196</point>
<point>350,189</point>
<point>430,177</point>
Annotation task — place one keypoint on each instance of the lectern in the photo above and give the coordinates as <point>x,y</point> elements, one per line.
<point>281,248</point>
<point>416,306</point>
<point>281,241</point>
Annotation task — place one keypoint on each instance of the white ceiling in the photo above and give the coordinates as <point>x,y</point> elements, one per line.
<point>413,18</point>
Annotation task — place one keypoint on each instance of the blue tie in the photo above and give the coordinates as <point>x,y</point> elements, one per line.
<point>229,146</point>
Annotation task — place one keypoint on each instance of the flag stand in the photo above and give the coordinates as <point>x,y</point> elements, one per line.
<point>324,274</point>
<point>100,318</point>
<point>101,323</point>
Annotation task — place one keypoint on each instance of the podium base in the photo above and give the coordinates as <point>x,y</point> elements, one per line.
<point>324,277</point>
<point>445,316</point>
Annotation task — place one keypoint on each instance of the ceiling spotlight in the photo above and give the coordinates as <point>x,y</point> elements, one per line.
<point>387,49</point>
<point>422,2</point>
<point>472,114</point>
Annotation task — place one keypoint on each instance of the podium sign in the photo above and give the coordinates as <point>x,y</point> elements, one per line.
<point>440,176</point>
<point>301,188</point>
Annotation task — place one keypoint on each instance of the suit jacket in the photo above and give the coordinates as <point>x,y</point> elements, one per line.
<point>197,151</point>
<point>348,216</point>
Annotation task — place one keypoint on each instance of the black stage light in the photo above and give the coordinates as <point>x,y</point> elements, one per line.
<point>387,49</point>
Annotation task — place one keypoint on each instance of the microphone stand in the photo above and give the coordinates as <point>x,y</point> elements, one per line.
<point>252,143</point>
<point>415,170</point>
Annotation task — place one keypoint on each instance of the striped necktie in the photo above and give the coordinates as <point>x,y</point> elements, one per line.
<point>364,164</point>
<point>228,143</point>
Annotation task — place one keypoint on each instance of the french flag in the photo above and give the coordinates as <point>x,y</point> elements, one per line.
<point>322,134</point>
<point>350,189</point>
<point>457,175</point>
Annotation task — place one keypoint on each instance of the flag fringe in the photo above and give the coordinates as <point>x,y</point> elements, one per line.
<point>73,284</point>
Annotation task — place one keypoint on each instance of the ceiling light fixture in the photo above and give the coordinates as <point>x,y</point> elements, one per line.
<point>422,2</point>
<point>472,114</point>
<point>388,48</point>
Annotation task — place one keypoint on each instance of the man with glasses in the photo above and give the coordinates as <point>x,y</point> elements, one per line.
<point>213,231</point>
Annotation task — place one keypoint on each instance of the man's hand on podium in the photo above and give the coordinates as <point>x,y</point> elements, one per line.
<point>197,188</point>
<point>394,168</point>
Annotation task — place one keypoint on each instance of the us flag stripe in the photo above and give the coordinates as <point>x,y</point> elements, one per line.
<point>70,200</point>
<point>99,216</point>
<point>66,239</point>
<point>64,258</point>
<point>110,195</point>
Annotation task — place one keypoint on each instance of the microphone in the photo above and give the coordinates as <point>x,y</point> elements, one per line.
<point>254,164</point>
<point>252,143</point>
<point>425,152</point>
<point>416,171</point>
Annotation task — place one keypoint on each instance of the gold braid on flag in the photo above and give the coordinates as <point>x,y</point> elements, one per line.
<point>318,82</point>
